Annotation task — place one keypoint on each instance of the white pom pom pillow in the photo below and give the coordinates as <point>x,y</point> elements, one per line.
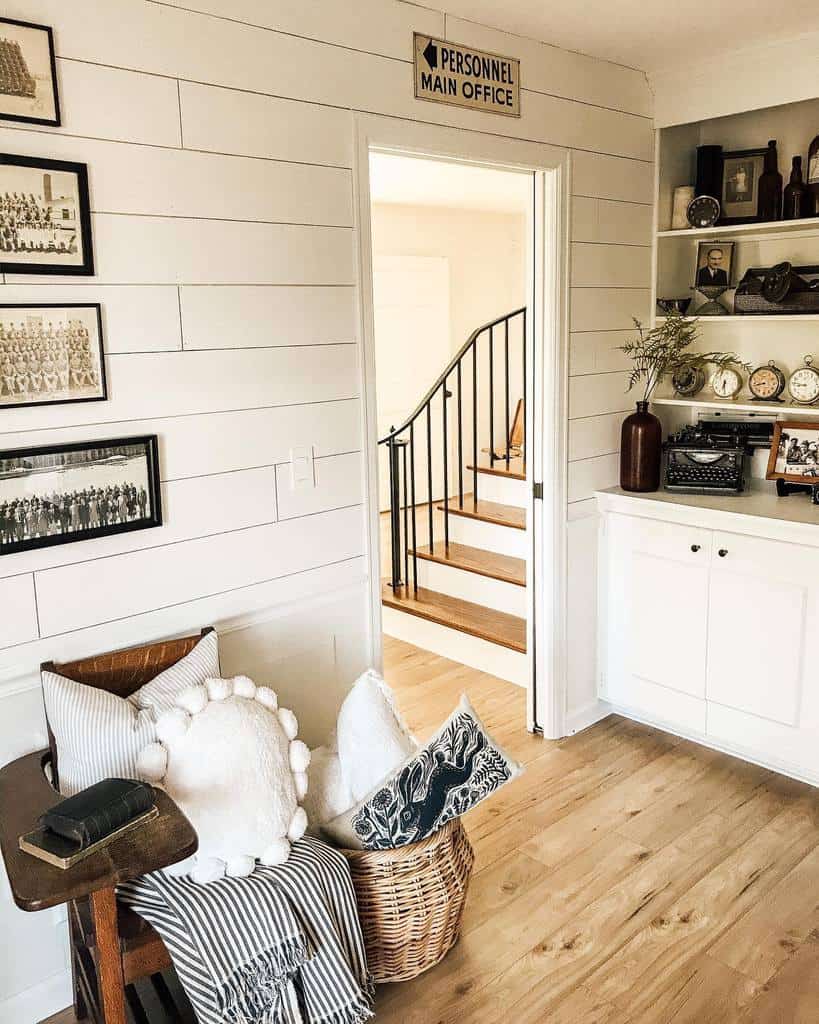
<point>229,756</point>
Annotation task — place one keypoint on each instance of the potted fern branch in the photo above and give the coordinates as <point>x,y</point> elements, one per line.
<point>657,353</point>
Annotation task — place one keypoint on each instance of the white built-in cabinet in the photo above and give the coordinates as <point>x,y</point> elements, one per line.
<point>709,626</point>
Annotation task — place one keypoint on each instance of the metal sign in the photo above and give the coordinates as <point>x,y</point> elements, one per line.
<point>464,77</point>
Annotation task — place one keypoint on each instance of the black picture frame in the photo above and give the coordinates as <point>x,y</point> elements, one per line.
<point>103,385</point>
<point>86,267</point>
<point>55,121</point>
<point>11,541</point>
<point>756,155</point>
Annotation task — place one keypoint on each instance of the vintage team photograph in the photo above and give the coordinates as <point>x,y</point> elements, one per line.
<point>28,73</point>
<point>51,354</point>
<point>45,217</point>
<point>794,453</point>
<point>72,492</point>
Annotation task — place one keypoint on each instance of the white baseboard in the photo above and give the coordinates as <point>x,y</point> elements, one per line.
<point>40,1001</point>
<point>582,717</point>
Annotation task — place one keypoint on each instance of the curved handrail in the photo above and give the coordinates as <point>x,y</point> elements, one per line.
<point>470,341</point>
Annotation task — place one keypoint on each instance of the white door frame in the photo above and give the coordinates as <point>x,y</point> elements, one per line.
<point>546,405</point>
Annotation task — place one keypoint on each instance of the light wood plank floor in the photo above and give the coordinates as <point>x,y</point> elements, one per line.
<point>627,877</point>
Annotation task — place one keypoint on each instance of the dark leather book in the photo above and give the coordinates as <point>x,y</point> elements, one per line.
<point>98,811</point>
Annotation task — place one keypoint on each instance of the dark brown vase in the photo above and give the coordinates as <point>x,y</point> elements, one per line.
<point>641,444</point>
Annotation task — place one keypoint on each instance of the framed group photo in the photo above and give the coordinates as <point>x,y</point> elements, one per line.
<point>28,73</point>
<point>51,354</point>
<point>59,494</point>
<point>45,217</point>
<point>794,453</point>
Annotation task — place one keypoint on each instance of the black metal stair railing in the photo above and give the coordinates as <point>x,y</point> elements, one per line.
<point>400,443</point>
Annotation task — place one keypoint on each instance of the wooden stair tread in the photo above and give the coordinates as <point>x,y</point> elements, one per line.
<point>484,563</point>
<point>489,512</point>
<point>486,623</point>
<point>516,470</point>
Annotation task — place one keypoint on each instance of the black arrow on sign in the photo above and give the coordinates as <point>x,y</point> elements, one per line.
<point>431,54</point>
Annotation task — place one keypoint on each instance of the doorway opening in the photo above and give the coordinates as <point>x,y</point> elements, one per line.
<point>452,263</point>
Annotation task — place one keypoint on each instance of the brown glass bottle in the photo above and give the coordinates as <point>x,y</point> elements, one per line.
<point>641,445</point>
<point>797,201</point>
<point>769,203</point>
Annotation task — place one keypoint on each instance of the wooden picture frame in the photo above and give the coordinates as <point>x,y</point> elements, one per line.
<point>28,81</point>
<point>45,217</point>
<point>802,438</point>
<point>65,493</point>
<point>735,209</point>
<point>37,363</point>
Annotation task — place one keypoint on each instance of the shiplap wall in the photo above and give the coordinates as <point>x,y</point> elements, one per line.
<point>219,139</point>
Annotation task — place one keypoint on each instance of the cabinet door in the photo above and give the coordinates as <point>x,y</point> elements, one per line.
<point>763,608</point>
<point>656,608</point>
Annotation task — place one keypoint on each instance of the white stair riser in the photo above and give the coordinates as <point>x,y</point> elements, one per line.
<point>470,586</point>
<point>451,643</point>
<point>500,489</point>
<point>487,536</point>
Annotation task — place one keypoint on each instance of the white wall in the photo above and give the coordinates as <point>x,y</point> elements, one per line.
<point>220,155</point>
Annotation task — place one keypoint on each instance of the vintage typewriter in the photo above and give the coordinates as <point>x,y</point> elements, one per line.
<point>710,456</point>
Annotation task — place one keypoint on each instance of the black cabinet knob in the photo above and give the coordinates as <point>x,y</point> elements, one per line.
<point>695,548</point>
<point>722,552</point>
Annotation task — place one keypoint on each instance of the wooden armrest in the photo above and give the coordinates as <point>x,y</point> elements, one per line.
<point>25,794</point>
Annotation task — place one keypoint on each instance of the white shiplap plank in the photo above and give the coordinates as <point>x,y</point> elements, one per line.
<point>250,317</point>
<point>596,393</point>
<point>339,481</point>
<point>227,121</point>
<point>594,435</point>
<point>177,250</point>
<point>549,69</point>
<point>581,612</point>
<point>152,181</point>
<point>198,507</point>
<point>134,318</point>
<point>223,442</point>
<point>608,309</point>
<point>605,220</point>
<point>598,351</point>
<point>611,177</point>
<point>130,584</point>
<point>596,265</point>
<point>183,383</point>
<point>18,621</point>
<point>590,475</point>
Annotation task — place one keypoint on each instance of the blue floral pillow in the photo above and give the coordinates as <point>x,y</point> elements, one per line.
<point>459,767</point>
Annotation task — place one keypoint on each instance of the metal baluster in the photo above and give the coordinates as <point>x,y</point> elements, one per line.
<point>460,444</point>
<point>446,469</point>
<point>412,489</point>
<point>506,383</point>
<point>406,523</point>
<point>395,521</point>
<point>475,422</point>
<point>429,470</point>
<point>491,396</point>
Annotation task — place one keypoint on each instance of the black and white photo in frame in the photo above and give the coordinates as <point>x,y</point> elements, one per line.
<point>28,73</point>
<point>714,264</point>
<point>51,354</point>
<point>45,217</point>
<point>57,494</point>
<point>794,452</point>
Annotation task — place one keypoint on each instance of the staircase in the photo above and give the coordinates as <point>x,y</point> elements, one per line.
<point>456,579</point>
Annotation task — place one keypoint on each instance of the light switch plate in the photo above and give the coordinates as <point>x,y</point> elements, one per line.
<point>302,469</point>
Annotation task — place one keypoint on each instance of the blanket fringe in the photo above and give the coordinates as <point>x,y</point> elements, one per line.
<point>252,993</point>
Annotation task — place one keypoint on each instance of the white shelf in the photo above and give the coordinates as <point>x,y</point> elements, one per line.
<point>807,224</point>
<point>745,318</point>
<point>741,404</point>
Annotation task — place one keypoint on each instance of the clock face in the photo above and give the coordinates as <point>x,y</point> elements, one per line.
<point>765,382</point>
<point>688,380</point>
<point>804,385</point>
<point>726,382</point>
<point>703,212</point>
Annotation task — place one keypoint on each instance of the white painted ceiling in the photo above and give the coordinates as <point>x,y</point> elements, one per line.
<point>645,34</point>
<point>420,182</point>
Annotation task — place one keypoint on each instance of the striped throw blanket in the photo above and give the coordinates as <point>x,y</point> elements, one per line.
<point>281,946</point>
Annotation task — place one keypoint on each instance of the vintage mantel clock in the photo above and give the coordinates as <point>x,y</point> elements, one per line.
<point>688,380</point>
<point>803,383</point>
<point>767,383</point>
<point>726,382</point>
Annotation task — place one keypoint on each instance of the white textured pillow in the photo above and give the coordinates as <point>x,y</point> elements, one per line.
<point>99,734</point>
<point>327,793</point>
<point>372,738</point>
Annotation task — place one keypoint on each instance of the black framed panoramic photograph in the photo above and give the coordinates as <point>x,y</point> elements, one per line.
<point>60,494</point>
<point>50,354</point>
<point>28,73</point>
<point>45,217</point>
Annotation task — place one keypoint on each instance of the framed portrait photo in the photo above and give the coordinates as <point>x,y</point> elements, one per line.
<point>794,452</point>
<point>59,494</point>
<point>51,354</point>
<point>28,73</point>
<point>741,171</point>
<point>715,264</point>
<point>45,217</point>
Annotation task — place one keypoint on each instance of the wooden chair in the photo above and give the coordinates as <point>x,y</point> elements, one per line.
<point>111,946</point>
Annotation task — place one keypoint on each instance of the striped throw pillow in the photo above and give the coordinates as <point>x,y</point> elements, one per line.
<point>99,734</point>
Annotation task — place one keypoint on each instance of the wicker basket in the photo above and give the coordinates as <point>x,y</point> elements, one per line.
<point>411,901</point>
